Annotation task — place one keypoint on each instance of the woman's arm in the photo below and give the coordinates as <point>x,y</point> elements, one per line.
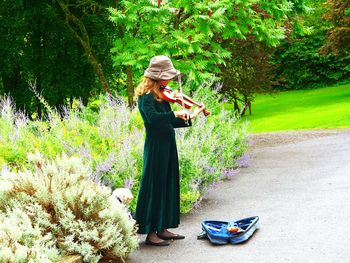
<point>152,115</point>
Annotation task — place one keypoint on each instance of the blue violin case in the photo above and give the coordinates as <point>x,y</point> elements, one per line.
<point>217,233</point>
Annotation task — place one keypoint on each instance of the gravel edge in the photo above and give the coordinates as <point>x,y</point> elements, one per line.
<point>270,139</point>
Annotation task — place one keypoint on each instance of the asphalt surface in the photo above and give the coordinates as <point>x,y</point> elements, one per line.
<point>301,192</point>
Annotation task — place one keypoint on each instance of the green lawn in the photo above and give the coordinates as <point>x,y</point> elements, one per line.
<point>321,108</point>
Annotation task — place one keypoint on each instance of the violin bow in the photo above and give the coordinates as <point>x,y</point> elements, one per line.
<point>182,96</point>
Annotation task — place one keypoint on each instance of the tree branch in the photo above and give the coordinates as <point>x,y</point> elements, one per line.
<point>84,40</point>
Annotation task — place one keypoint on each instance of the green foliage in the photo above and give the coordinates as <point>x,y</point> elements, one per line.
<point>192,32</point>
<point>300,64</point>
<point>338,36</point>
<point>67,61</point>
<point>21,238</point>
<point>36,45</point>
<point>248,72</point>
<point>208,150</point>
<point>58,209</point>
<point>303,61</point>
<point>111,142</point>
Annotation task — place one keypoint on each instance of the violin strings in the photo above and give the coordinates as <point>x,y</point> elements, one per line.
<point>181,95</point>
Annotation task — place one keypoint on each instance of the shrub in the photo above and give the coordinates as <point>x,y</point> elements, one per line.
<point>208,150</point>
<point>300,63</point>
<point>110,142</point>
<point>58,209</point>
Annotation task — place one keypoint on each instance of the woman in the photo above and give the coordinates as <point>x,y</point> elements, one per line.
<point>158,204</point>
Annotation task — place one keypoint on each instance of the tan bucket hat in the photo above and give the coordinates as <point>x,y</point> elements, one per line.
<point>161,68</point>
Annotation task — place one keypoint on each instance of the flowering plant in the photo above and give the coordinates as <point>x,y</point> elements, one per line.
<point>109,138</point>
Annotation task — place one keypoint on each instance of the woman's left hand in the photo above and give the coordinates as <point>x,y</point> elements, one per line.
<point>183,114</point>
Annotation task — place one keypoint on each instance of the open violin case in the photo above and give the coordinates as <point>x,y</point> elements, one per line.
<point>221,232</point>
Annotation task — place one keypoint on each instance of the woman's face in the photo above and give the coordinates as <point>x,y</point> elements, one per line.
<point>164,82</point>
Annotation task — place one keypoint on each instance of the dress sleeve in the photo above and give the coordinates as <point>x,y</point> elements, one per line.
<point>180,123</point>
<point>152,115</point>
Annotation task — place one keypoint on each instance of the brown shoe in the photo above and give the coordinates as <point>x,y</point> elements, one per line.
<point>172,237</point>
<point>161,243</point>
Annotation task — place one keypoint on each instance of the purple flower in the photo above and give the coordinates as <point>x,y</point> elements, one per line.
<point>214,184</point>
<point>21,119</point>
<point>197,203</point>
<point>106,166</point>
<point>65,111</point>
<point>96,178</point>
<point>128,182</point>
<point>208,169</point>
<point>211,186</point>
<point>243,162</point>
<point>103,168</point>
<point>99,180</point>
<point>228,173</point>
<point>84,152</point>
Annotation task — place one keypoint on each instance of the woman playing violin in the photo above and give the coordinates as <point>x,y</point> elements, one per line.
<point>158,204</point>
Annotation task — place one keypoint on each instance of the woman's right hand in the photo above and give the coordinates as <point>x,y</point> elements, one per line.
<point>182,114</point>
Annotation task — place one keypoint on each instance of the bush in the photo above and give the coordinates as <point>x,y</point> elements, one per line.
<point>110,141</point>
<point>209,151</point>
<point>59,209</point>
<point>300,63</point>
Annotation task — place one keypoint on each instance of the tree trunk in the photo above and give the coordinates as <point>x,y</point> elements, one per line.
<point>11,82</point>
<point>38,87</point>
<point>243,110</point>
<point>250,108</point>
<point>98,69</point>
<point>130,87</point>
<point>85,100</point>
<point>38,55</point>
<point>84,40</point>
<point>235,105</point>
<point>247,104</point>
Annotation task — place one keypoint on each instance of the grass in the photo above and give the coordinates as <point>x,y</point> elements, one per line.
<point>322,108</point>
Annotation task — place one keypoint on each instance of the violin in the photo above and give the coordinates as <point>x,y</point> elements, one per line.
<point>185,101</point>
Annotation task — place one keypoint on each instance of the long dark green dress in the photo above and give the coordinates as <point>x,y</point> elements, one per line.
<point>158,203</point>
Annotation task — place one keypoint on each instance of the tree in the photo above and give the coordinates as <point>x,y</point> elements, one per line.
<point>338,37</point>
<point>299,60</point>
<point>38,46</point>
<point>191,31</point>
<point>74,18</point>
<point>248,72</point>
<point>11,50</point>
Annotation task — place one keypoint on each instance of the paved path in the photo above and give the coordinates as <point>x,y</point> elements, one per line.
<point>300,190</point>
